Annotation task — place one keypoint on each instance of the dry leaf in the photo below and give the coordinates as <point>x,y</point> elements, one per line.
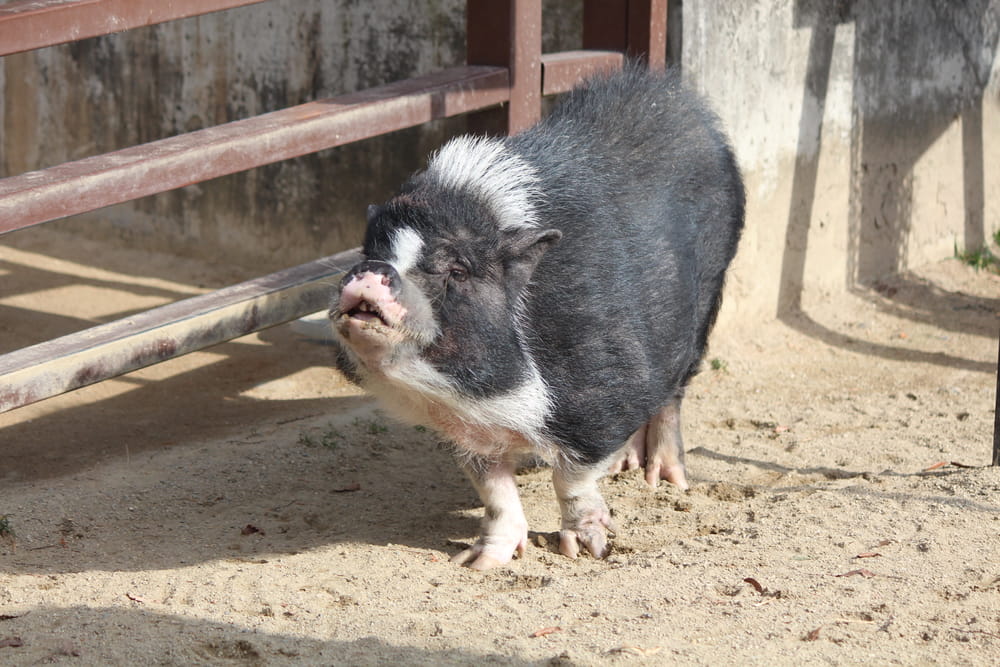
<point>11,642</point>
<point>545,631</point>
<point>354,486</point>
<point>756,584</point>
<point>869,554</point>
<point>250,529</point>
<point>638,650</point>
<point>939,464</point>
<point>135,598</point>
<point>812,636</point>
<point>867,574</point>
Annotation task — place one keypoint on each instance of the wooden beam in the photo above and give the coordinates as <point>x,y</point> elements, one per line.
<point>77,360</point>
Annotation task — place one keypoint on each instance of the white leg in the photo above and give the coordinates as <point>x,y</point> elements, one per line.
<point>504,527</point>
<point>585,515</point>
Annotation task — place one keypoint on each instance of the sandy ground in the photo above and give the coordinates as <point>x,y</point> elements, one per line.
<point>245,506</point>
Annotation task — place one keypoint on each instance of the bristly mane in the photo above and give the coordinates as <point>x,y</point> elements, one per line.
<point>490,171</point>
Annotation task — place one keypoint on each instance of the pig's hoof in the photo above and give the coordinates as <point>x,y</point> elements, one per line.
<point>672,472</point>
<point>484,556</point>
<point>632,455</point>
<point>591,534</point>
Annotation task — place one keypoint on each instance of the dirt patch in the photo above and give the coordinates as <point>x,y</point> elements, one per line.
<point>245,506</point>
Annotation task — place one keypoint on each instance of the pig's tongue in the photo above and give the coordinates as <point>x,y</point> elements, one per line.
<point>365,311</point>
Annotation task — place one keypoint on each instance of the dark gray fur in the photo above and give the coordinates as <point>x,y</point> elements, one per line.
<point>646,191</point>
<point>641,183</point>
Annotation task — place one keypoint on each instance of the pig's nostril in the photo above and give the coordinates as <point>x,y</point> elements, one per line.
<point>386,280</point>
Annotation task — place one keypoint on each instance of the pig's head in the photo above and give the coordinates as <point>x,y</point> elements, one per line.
<point>437,304</point>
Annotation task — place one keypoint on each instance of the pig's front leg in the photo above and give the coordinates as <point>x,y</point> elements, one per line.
<point>504,528</point>
<point>585,516</point>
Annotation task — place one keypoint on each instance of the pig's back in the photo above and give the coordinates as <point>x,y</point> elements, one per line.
<point>636,175</point>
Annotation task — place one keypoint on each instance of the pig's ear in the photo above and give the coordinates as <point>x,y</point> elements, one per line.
<point>373,211</point>
<point>524,251</point>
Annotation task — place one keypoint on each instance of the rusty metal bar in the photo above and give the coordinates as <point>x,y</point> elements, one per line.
<point>95,182</point>
<point>996,418</point>
<point>605,24</point>
<point>647,31</point>
<point>561,71</point>
<point>70,362</point>
<point>33,24</point>
<point>636,27</point>
<point>508,33</point>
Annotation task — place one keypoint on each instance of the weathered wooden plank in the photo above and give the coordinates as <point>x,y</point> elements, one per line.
<point>70,362</point>
<point>130,173</point>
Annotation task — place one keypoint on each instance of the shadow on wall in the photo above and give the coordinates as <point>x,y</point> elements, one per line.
<point>904,99</point>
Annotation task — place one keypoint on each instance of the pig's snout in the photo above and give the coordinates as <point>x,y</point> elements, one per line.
<point>384,270</point>
<point>368,292</point>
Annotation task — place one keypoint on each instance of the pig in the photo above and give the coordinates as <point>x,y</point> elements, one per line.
<point>551,294</point>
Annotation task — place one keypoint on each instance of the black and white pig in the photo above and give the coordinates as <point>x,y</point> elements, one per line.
<point>551,293</point>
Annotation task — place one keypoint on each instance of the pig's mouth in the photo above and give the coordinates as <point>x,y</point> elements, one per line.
<point>368,313</point>
<point>368,318</point>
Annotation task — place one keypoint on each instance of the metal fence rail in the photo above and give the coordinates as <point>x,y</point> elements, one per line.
<point>26,25</point>
<point>505,67</point>
<point>124,175</point>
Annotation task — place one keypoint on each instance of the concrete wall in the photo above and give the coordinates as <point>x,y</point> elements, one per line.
<point>868,130</point>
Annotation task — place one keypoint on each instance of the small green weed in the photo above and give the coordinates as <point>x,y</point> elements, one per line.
<point>370,426</point>
<point>6,530</point>
<point>331,438</point>
<point>983,258</point>
<point>719,365</point>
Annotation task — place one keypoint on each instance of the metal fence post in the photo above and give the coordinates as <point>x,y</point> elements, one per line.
<point>636,27</point>
<point>508,33</point>
<point>996,417</point>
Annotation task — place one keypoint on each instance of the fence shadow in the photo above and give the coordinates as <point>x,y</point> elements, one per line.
<point>901,105</point>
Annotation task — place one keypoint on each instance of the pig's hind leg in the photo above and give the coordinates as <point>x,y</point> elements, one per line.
<point>658,447</point>
<point>504,527</point>
<point>585,516</point>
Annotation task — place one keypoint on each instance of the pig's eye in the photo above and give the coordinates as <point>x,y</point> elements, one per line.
<point>458,273</point>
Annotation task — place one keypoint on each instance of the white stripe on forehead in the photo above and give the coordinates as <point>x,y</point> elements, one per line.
<point>406,248</point>
<point>501,178</point>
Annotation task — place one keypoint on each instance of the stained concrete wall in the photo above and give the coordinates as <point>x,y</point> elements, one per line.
<point>868,130</point>
<point>68,102</point>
